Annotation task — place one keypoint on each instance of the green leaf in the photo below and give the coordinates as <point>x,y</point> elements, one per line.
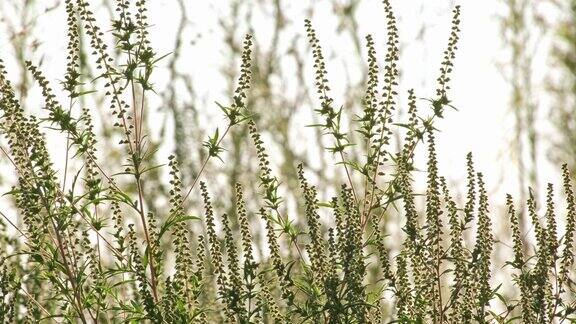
<point>173,220</point>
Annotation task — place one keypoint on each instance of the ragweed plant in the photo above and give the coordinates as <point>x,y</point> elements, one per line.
<point>89,247</point>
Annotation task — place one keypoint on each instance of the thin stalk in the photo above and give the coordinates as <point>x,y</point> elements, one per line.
<point>439,282</point>
<point>204,166</point>
<point>67,150</point>
<point>35,301</point>
<point>135,162</point>
<point>69,273</point>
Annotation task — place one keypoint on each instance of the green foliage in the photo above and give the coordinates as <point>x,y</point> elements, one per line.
<point>92,249</point>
